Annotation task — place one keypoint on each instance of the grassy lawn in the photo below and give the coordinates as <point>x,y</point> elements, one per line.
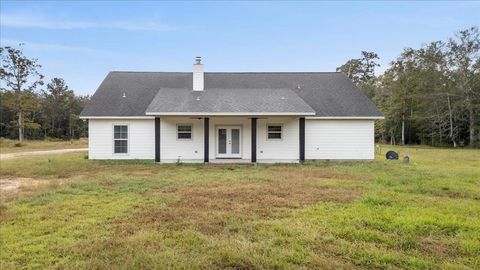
<point>83,214</point>
<point>8,146</point>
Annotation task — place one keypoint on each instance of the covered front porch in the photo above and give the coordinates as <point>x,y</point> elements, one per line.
<point>229,138</point>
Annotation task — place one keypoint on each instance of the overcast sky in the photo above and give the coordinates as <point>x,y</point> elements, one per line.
<point>82,41</point>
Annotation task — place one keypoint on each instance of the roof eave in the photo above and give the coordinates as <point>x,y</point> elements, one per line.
<point>346,117</point>
<point>115,117</point>
<point>230,113</point>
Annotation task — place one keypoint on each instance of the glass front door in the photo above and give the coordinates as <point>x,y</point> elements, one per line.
<point>229,142</point>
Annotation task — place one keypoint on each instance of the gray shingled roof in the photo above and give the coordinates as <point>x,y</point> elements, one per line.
<point>327,93</point>
<point>216,100</point>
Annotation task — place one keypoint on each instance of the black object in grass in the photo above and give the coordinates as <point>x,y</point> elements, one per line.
<point>392,155</point>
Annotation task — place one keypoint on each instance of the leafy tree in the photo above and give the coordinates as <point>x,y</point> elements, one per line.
<point>431,95</point>
<point>362,71</point>
<point>56,106</point>
<point>400,82</point>
<point>61,109</point>
<point>20,78</point>
<point>437,99</point>
<point>464,54</point>
<point>77,126</point>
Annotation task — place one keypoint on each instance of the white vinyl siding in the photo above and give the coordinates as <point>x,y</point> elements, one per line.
<point>339,139</point>
<point>324,139</point>
<point>174,148</point>
<point>141,139</point>
<point>278,150</point>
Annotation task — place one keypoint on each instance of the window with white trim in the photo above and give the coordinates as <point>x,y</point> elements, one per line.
<point>274,132</point>
<point>120,139</point>
<point>184,132</point>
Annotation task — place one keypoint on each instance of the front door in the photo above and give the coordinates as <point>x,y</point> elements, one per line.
<point>229,140</point>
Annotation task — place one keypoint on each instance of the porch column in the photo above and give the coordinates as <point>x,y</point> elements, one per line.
<point>302,138</point>
<point>254,140</point>
<point>206,139</point>
<point>157,139</point>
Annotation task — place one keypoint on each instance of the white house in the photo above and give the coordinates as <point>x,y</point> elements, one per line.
<point>230,117</point>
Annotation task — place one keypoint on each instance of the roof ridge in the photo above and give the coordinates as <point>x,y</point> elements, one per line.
<point>273,72</point>
<point>126,71</point>
<point>234,72</point>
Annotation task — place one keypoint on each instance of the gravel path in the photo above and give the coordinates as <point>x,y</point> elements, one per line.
<point>40,153</point>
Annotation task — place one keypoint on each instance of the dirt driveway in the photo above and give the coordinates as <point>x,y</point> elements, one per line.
<point>10,186</point>
<point>13,184</point>
<point>40,153</point>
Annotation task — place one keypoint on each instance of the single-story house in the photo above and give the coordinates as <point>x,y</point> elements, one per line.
<point>230,117</point>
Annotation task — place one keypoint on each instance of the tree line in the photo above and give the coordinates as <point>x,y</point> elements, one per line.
<point>429,95</point>
<point>29,108</point>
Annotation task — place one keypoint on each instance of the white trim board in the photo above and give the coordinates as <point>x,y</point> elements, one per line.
<point>116,117</point>
<point>346,117</point>
<point>151,115</point>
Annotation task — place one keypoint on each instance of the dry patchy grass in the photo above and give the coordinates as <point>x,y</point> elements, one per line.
<point>347,215</point>
<point>205,208</point>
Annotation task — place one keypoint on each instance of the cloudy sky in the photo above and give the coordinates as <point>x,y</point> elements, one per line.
<point>82,41</point>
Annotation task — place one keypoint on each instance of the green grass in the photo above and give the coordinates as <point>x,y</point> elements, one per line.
<point>11,146</point>
<point>327,215</point>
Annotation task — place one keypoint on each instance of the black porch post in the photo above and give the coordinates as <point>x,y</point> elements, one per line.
<point>157,139</point>
<point>254,140</point>
<point>302,138</point>
<point>206,139</point>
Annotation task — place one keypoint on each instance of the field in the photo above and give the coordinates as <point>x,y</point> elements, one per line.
<point>71,213</point>
<point>9,146</point>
